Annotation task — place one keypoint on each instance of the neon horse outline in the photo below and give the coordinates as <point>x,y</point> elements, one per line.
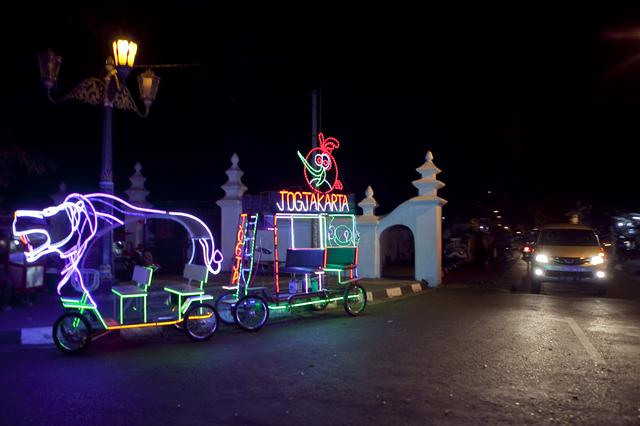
<point>84,219</point>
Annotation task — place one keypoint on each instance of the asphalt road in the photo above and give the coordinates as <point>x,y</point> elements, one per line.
<point>448,356</point>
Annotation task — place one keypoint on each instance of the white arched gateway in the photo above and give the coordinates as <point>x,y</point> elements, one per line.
<point>422,215</point>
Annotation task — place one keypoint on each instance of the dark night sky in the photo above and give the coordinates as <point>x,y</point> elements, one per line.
<point>527,102</point>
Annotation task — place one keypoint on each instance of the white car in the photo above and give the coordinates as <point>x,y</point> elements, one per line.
<point>568,252</point>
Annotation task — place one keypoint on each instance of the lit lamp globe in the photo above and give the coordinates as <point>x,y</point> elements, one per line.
<point>124,55</point>
<point>148,83</point>
<point>49,68</point>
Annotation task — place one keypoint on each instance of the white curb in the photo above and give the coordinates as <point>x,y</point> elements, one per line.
<point>36,336</point>
<point>394,292</point>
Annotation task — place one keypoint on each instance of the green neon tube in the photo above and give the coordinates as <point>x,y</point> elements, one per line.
<point>273,308</point>
<point>315,302</point>
<point>78,306</point>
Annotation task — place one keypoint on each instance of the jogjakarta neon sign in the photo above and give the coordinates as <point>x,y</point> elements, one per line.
<point>320,168</point>
<point>311,202</point>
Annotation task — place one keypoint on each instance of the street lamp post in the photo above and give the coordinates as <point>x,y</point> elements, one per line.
<point>109,91</point>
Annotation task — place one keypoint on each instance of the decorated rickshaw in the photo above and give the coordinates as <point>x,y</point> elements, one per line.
<point>80,221</point>
<point>309,239</point>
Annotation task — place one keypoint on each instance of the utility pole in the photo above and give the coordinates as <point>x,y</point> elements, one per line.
<point>316,122</point>
<point>316,115</point>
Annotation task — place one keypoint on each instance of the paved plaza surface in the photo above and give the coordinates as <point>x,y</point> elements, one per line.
<point>459,354</point>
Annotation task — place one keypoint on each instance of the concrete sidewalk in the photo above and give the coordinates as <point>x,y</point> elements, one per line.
<point>32,324</point>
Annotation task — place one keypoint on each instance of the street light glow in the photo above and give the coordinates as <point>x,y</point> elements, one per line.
<point>148,83</point>
<point>124,53</point>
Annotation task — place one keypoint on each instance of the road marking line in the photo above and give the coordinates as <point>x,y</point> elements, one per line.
<point>36,336</point>
<point>394,292</point>
<point>417,287</point>
<point>369,296</point>
<point>591,350</point>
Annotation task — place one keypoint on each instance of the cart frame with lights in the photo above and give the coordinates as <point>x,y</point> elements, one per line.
<point>313,239</point>
<point>84,219</point>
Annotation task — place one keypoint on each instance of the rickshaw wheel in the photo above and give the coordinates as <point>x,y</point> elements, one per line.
<point>251,313</point>
<point>225,304</point>
<point>355,299</point>
<point>200,322</point>
<point>72,332</point>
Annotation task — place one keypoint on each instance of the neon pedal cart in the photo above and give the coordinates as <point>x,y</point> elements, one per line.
<point>306,240</point>
<point>80,221</point>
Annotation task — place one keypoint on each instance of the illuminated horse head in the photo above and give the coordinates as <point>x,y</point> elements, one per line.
<point>319,162</point>
<point>83,219</point>
<point>31,227</point>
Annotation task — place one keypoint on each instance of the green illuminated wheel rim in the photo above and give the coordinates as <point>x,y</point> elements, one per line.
<point>200,321</point>
<point>72,332</point>
<point>355,299</point>
<point>225,304</point>
<point>251,313</point>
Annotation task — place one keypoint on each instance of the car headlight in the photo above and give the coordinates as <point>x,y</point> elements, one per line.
<point>542,258</point>
<point>597,260</point>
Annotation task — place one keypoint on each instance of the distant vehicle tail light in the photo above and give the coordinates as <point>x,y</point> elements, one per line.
<point>526,249</point>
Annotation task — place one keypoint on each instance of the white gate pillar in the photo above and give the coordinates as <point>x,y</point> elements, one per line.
<point>137,194</point>
<point>369,258</point>
<point>230,209</point>
<point>428,224</point>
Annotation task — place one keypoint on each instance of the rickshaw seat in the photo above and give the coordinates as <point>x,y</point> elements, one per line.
<point>128,290</point>
<point>342,258</point>
<point>303,261</point>
<point>142,279</point>
<point>193,274</point>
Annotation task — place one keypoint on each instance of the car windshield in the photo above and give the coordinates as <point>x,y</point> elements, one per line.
<point>568,237</point>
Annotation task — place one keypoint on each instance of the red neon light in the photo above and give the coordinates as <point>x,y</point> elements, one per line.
<point>275,252</point>
<point>355,262</point>
<point>235,271</point>
<point>322,157</point>
<point>311,201</point>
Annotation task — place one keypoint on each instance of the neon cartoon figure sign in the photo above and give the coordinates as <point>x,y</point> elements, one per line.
<point>320,168</point>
